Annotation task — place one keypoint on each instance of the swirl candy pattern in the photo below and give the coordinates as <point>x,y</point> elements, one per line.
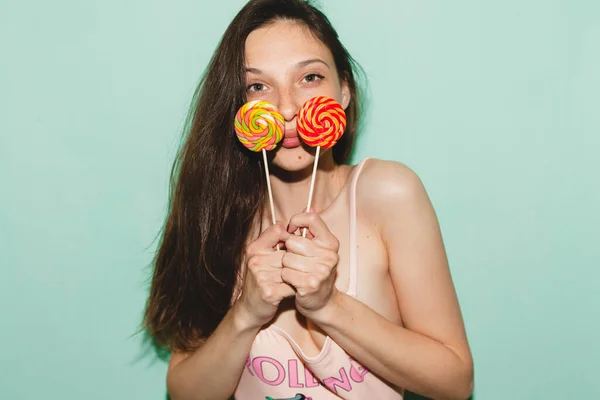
<point>321,122</point>
<point>259,126</point>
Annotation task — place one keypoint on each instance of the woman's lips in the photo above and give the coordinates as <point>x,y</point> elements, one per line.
<point>291,142</point>
<point>291,139</point>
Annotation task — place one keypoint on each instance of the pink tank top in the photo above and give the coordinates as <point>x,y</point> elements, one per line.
<point>277,369</point>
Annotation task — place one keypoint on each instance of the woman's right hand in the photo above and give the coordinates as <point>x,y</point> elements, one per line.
<point>262,287</point>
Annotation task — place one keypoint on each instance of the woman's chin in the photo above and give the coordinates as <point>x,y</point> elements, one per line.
<point>293,159</point>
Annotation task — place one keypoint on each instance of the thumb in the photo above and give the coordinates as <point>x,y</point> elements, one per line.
<point>272,236</point>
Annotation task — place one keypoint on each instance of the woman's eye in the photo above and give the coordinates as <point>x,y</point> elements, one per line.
<point>255,87</point>
<point>313,78</point>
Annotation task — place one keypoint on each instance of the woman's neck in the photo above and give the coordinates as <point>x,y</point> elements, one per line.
<point>291,189</point>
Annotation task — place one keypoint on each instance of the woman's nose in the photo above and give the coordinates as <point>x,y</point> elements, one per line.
<point>288,106</point>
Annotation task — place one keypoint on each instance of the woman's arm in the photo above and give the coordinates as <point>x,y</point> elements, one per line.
<point>408,359</point>
<point>430,356</point>
<point>213,370</point>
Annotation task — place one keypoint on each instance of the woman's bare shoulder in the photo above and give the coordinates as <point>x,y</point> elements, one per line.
<point>384,183</point>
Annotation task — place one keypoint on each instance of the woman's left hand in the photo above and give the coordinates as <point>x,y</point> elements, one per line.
<point>309,265</point>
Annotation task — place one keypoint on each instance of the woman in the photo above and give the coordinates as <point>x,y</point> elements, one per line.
<point>362,308</point>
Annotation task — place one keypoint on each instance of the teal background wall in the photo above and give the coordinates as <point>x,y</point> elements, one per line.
<point>494,104</point>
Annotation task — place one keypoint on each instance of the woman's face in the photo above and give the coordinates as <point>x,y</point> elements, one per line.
<point>286,66</point>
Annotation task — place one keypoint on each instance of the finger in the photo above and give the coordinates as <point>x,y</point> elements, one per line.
<point>316,226</point>
<point>299,280</point>
<point>274,260</point>
<point>268,277</point>
<point>302,246</point>
<point>269,239</point>
<point>285,290</point>
<point>275,276</point>
<point>296,262</point>
<point>267,261</point>
<point>306,233</point>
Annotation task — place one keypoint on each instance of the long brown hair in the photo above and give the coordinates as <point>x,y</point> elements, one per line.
<point>218,187</point>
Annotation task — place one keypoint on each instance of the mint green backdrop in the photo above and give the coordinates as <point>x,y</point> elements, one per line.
<point>494,104</point>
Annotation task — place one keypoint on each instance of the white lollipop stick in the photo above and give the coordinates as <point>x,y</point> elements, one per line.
<point>264,152</point>
<point>312,184</point>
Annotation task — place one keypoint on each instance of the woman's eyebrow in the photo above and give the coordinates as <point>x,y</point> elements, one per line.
<point>301,64</point>
<point>304,63</point>
<point>254,70</point>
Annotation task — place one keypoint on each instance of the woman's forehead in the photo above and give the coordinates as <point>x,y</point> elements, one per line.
<point>284,43</point>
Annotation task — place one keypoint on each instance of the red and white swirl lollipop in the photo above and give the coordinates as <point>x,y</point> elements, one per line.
<point>321,123</point>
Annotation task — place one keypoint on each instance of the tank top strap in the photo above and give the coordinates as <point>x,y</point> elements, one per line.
<point>352,283</point>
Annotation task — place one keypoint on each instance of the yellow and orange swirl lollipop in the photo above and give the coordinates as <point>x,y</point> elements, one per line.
<point>321,122</point>
<point>259,126</point>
